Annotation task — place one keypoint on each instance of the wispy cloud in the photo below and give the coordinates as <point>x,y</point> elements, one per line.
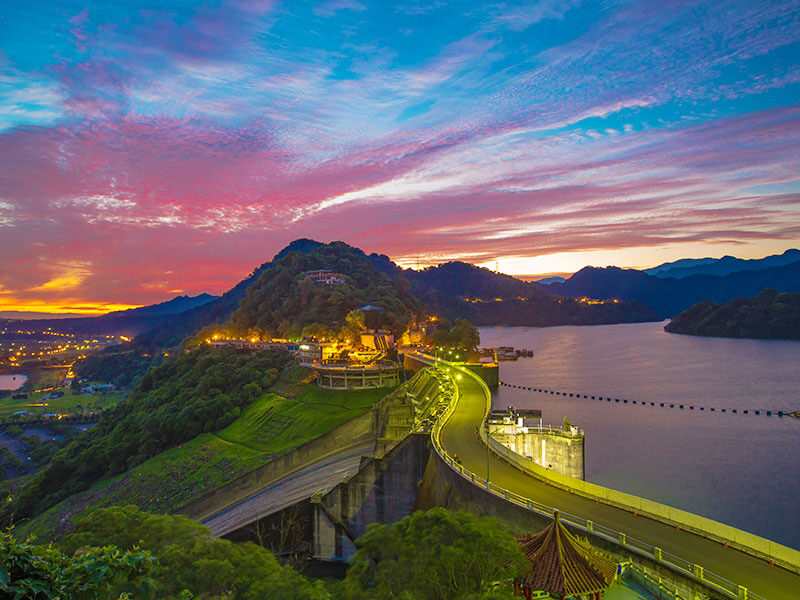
<point>203,138</point>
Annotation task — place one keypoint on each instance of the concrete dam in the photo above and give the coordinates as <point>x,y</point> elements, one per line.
<point>428,444</point>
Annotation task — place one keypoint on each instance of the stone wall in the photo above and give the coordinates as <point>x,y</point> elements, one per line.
<point>383,491</point>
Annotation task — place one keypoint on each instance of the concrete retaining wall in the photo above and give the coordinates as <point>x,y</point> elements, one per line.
<point>489,373</point>
<point>559,453</point>
<point>383,491</point>
<point>353,433</point>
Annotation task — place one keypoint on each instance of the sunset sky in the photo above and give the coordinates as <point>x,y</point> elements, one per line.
<point>152,149</point>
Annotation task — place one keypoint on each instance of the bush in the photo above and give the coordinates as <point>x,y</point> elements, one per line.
<point>437,555</point>
<point>28,571</point>
<point>190,560</point>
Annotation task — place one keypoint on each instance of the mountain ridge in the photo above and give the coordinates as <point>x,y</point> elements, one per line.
<point>669,296</point>
<point>721,266</point>
<point>176,305</point>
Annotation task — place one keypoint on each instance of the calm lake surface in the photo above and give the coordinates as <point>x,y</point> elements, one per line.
<point>12,382</point>
<point>743,470</point>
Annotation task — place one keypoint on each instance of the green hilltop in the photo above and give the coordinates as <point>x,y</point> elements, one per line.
<point>285,303</point>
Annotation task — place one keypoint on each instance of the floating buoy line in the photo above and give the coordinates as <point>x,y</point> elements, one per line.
<point>675,405</point>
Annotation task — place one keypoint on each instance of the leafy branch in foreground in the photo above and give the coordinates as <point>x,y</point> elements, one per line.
<point>35,572</point>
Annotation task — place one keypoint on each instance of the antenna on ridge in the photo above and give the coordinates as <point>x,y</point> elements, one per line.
<point>497,266</point>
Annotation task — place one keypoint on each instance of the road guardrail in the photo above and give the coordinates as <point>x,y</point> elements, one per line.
<point>680,565</point>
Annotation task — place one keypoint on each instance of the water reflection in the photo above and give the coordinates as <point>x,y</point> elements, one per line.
<point>735,468</point>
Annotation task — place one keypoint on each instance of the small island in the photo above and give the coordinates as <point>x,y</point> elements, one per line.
<point>770,315</point>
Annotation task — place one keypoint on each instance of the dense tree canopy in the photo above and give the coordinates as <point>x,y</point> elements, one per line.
<point>189,559</point>
<point>436,555</point>
<point>463,335</point>
<point>119,366</point>
<point>285,303</point>
<point>192,393</point>
<point>770,315</point>
<point>122,552</point>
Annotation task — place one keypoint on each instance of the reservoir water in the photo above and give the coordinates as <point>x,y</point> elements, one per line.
<point>12,382</point>
<point>739,469</point>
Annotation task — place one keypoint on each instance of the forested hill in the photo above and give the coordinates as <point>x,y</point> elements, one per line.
<point>191,393</point>
<point>285,303</point>
<point>179,327</point>
<point>770,315</point>
<point>460,290</point>
<point>670,296</point>
<point>275,299</point>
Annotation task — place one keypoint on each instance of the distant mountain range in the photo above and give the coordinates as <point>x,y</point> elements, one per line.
<point>454,290</point>
<point>549,280</point>
<point>130,322</point>
<point>721,266</point>
<point>177,305</point>
<point>460,290</point>
<point>669,296</point>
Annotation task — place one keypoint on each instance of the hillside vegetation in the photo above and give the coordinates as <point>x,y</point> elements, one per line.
<point>269,427</point>
<point>118,365</point>
<point>285,303</point>
<point>670,296</point>
<point>462,291</point>
<point>769,315</point>
<point>122,552</point>
<point>192,393</point>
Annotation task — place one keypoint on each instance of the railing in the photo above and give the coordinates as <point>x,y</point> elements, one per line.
<point>549,430</point>
<point>684,567</point>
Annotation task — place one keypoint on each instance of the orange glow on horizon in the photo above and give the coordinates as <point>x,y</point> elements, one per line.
<point>566,262</point>
<point>66,306</point>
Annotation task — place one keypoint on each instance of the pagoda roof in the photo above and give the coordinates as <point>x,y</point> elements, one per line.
<point>563,565</point>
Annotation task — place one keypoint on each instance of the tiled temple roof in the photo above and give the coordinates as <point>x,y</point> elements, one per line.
<point>563,565</point>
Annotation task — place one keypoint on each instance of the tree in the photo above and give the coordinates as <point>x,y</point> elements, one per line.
<point>437,555</point>
<point>463,335</point>
<point>355,323</point>
<point>28,571</point>
<point>75,385</point>
<point>192,561</point>
<point>466,335</point>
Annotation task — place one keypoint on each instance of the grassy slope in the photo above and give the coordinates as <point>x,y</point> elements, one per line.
<point>270,426</point>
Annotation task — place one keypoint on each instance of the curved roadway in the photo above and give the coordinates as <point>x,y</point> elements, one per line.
<point>458,436</point>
